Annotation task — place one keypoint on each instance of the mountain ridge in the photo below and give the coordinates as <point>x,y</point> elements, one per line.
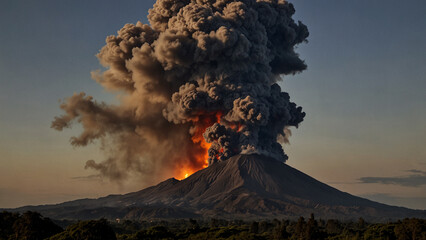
<point>244,186</point>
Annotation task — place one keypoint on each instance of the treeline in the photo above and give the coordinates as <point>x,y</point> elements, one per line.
<point>32,226</point>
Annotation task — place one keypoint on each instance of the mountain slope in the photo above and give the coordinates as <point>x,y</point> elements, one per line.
<point>245,186</point>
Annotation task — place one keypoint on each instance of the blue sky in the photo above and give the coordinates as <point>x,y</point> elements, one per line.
<point>363,92</point>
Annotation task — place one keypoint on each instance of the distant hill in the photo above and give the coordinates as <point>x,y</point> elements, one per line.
<point>244,187</point>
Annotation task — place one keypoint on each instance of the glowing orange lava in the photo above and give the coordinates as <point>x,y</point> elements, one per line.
<point>202,156</point>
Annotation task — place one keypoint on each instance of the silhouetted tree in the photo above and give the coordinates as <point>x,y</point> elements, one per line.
<point>333,227</point>
<point>193,224</point>
<point>87,230</point>
<point>32,226</point>
<point>264,226</point>
<point>411,229</point>
<point>155,233</point>
<point>300,228</point>
<point>401,231</point>
<point>311,229</point>
<point>361,223</point>
<point>254,227</point>
<point>7,219</point>
<point>379,232</point>
<point>280,231</point>
<point>214,223</point>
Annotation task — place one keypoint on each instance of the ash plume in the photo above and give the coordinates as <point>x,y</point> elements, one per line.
<point>198,83</point>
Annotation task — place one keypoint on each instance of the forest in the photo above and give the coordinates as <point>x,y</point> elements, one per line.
<point>33,226</point>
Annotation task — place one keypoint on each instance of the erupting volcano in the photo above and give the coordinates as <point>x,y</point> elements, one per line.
<point>196,86</point>
<point>199,101</point>
<point>242,187</point>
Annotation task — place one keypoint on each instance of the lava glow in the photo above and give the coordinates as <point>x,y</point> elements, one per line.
<point>201,158</point>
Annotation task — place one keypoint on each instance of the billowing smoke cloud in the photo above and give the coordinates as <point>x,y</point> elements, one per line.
<point>202,76</point>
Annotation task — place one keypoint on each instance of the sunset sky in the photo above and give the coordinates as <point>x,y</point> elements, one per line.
<point>364,94</point>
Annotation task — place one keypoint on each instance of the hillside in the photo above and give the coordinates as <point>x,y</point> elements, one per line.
<point>245,186</point>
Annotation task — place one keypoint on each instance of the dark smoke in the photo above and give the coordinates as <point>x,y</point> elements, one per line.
<point>202,67</point>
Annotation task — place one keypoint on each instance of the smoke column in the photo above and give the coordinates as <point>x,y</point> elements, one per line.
<point>196,86</point>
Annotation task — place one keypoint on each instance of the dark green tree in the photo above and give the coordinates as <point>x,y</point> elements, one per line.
<point>280,231</point>
<point>401,231</point>
<point>380,232</point>
<point>87,230</point>
<point>7,219</point>
<point>254,227</point>
<point>214,223</point>
<point>299,232</point>
<point>311,229</point>
<point>414,228</point>
<point>361,223</point>
<point>264,226</point>
<point>333,227</point>
<point>193,224</point>
<point>155,233</point>
<point>32,226</point>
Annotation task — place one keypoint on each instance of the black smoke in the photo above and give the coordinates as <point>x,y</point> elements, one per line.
<point>201,67</point>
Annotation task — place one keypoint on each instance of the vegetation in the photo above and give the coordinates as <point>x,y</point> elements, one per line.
<point>87,230</point>
<point>31,225</point>
<point>28,226</point>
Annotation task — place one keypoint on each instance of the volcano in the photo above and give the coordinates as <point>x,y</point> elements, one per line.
<point>243,187</point>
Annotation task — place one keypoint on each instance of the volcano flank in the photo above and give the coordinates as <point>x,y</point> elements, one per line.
<point>245,186</point>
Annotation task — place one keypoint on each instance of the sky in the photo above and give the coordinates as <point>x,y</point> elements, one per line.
<point>363,94</point>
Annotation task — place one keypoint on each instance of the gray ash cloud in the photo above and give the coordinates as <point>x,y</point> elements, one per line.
<point>201,68</point>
